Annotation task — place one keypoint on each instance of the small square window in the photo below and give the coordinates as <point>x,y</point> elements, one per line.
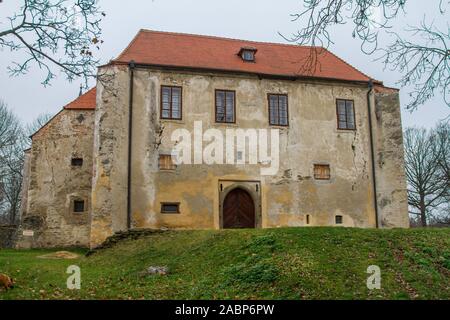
<point>78,206</point>
<point>170,208</point>
<point>248,55</point>
<point>166,162</point>
<point>77,162</point>
<point>338,219</point>
<point>322,171</point>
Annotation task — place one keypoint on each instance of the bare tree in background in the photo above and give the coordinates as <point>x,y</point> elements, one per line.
<point>12,141</point>
<point>37,123</point>
<point>443,136</point>
<point>55,34</point>
<point>14,138</point>
<point>424,62</point>
<point>427,187</point>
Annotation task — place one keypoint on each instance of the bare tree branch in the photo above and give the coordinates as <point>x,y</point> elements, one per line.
<point>55,34</point>
<point>423,62</point>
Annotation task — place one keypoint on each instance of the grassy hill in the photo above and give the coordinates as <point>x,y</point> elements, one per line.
<point>285,263</point>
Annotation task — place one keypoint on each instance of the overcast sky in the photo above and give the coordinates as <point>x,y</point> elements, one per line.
<point>259,20</point>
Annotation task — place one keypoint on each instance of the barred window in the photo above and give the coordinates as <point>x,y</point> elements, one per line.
<point>322,172</point>
<point>345,114</point>
<point>225,106</point>
<point>171,102</point>
<point>166,162</point>
<point>278,109</point>
<point>78,206</point>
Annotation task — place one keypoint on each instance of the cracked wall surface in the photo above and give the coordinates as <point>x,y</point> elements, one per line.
<point>52,183</point>
<point>287,197</point>
<point>389,160</point>
<point>291,197</point>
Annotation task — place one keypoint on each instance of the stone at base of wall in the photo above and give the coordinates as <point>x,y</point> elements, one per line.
<point>8,236</point>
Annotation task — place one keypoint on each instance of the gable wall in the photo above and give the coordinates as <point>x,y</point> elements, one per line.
<point>53,183</point>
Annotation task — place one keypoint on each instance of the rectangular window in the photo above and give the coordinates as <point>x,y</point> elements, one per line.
<point>166,162</point>
<point>171,102</point>
<point>77,162</point>
<point>225,106</point>
<point>322,172</point>
<point>78,206</point>
<point>345,114</point>
<point>338,220</point>
<point>170,207</point>
<point>278,109</point>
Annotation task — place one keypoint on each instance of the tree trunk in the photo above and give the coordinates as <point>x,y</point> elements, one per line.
<point>12,215</point>
<point>423,216</point>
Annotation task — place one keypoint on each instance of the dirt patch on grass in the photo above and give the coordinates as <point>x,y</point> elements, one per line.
<point>59,255</point>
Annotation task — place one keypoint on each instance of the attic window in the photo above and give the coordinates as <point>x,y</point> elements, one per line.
<point>247,54</point>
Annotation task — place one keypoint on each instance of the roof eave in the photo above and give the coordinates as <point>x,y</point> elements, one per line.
<point>230,71</point>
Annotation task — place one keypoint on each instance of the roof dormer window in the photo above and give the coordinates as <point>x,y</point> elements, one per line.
<point>247,54</point>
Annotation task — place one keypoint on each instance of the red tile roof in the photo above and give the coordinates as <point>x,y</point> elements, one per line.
<point>86,101</point>
<point>214,53</point>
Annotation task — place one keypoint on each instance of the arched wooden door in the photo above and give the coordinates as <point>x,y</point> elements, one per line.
<point>238,210</point>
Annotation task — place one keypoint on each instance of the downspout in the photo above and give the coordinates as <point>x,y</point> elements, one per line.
<point>372,153</point>
<point>130,140</point>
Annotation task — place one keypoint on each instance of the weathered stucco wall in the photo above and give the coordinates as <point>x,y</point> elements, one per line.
<point>53,183</point>
<point>390,166</point>
<point>286,198</point>
<point>109,185</point>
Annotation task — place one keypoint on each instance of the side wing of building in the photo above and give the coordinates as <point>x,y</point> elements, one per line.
<point>58,182</point>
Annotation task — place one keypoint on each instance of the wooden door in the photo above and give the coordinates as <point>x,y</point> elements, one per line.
<point>238,210</point>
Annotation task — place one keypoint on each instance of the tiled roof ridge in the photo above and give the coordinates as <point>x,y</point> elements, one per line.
<point>225,38</point>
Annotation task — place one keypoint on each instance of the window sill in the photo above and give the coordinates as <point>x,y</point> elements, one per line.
<point>167,170</point>
<point>226,124</point>
<point>345,130</point>
<point>179,121</point>
<point>276,126</point>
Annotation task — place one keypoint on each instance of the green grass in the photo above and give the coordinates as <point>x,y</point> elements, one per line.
<point>285,263</point>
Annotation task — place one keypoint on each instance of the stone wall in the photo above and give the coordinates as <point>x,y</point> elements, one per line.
<point>109,184</point>
<point>53,183</point>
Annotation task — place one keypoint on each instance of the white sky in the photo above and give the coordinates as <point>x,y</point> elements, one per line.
<point>259,20</point>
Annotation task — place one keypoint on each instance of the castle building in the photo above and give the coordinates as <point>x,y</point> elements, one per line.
<point>198,132</point>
